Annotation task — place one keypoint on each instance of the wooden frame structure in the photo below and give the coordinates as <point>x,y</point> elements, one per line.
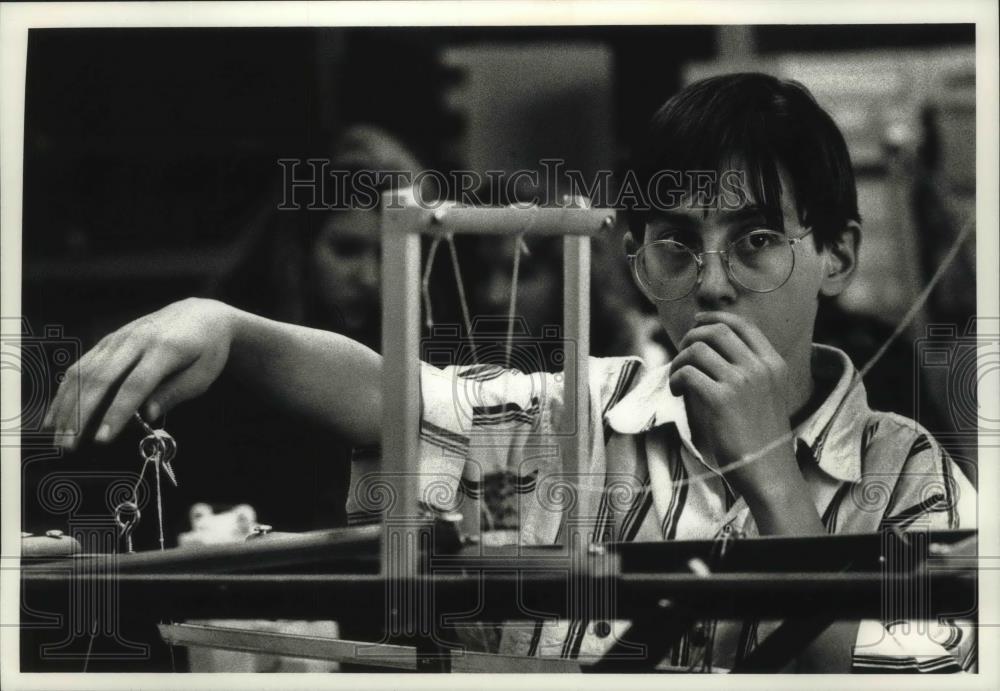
<point>404,220</point>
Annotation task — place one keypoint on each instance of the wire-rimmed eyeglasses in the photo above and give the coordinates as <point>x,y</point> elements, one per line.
<point>760,261</point>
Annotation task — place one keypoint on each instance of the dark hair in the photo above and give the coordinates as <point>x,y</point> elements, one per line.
<point>757,121</point>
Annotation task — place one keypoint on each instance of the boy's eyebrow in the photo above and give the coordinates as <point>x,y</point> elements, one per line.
<point>691,221</point>
<point>746,213</point>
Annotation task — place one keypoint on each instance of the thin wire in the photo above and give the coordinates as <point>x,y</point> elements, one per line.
<point>135,488</point>
<point>145,426</point>
<point>918,303</point>
<point>159,509</point>
<point>425,283</point>
<point>967,229</point>
<point>127,531</point>
<point>90,644</point>
<point>518,242</point>
<point>463,301</point>
<point>156,458</point>
<point>159,498</point>
<point>924,295</point>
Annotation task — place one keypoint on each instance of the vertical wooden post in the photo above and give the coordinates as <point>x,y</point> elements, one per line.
<point>576,326</point>
<point>400,403</point>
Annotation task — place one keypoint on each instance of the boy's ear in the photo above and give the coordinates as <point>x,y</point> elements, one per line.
<point>841,260</point>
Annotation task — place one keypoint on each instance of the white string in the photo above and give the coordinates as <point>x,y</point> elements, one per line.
<point>463,301</point>
<point>911,313</point>
<point>425,291</point>
<point>425,283</point>
<point>156,458</point>
<point>159,498</point>
<point>924,295</point>
<point>918,303</point>
<point>90,644</point>
<point>518,243</point>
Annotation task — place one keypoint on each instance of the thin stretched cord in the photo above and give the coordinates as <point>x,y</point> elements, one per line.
<point>156,459</point>
<point>922,298</point>
<point>145,425</point>
<point>90,645</point>
<point>518,242</point>
<point>461,297</point>
<point>425,283</point>
<point>918,303</point>
<point>135,487</point>
<point>159,509</point>
<point>159,500</point>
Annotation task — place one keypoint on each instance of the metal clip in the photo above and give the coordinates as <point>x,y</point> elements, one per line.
<point>127,523</point>
<point>160,448</point>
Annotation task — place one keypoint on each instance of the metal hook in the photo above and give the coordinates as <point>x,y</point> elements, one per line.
<point>127,526</point>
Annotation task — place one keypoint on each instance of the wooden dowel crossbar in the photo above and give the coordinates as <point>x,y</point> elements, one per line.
<point>454,219</point>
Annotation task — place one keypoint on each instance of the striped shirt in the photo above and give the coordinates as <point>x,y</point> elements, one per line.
<point>490,449</point>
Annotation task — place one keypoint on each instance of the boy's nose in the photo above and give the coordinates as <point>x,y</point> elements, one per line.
<point>715,288</point>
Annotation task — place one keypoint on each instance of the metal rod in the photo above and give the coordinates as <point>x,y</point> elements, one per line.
<point>354,548</point>
<point>771,556</point>
<point>498,596</point>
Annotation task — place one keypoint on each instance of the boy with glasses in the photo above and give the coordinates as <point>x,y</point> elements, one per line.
<point>750,430</point>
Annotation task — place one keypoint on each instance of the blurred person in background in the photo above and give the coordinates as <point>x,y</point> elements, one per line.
<point>320,268</point>
<point>315,268</point>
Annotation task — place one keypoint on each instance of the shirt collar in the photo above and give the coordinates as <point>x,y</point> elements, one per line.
<point>832,431</point>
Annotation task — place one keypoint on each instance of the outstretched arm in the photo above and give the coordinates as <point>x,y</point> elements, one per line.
<point>176,353</point>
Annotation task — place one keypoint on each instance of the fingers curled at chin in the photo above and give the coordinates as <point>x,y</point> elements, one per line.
<point>748,332</point>
<point>722,338</point>
<point>688,380</point>
<point>703,357</point>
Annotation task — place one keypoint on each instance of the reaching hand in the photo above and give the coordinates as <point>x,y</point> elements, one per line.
<point>158,360</point>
